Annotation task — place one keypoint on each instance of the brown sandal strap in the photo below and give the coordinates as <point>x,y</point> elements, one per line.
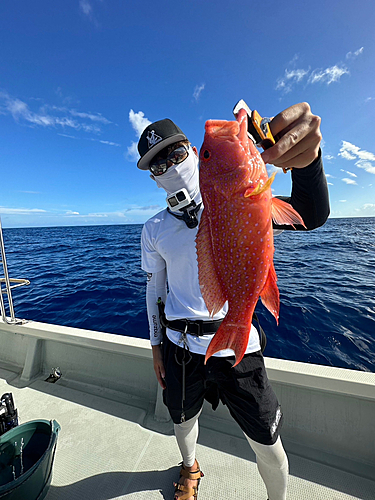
<point>194,475</point>
<point>189,492</point>
<point>191,475</point>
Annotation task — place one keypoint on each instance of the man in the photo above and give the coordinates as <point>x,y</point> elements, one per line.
<point>169,256</point>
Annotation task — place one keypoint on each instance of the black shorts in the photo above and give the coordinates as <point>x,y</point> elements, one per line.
<point>244,389</point>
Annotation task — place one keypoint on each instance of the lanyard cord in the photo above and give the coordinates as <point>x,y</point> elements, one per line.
<point>188,356</point>
<point>188,216</point>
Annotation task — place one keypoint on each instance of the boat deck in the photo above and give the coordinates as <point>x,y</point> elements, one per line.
<point>111,450</point>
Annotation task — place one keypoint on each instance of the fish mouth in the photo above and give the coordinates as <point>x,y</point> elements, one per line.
<point>228,130</point>
<point>222,129</point>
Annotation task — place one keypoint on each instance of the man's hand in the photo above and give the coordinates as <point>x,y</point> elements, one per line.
<point>158,364</point>
<point>298,138</point>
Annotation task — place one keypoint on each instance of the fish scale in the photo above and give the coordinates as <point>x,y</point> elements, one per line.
<point>235,238</point>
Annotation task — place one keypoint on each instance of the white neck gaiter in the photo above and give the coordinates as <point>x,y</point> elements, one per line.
<point>184,175</point>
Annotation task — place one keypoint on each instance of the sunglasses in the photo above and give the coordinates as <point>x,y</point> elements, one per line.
<point>178,155</point>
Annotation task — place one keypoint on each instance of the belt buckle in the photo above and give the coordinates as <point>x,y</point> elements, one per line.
<point>197,323</point>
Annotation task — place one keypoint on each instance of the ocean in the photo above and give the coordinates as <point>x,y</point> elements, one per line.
<point>90,277</point>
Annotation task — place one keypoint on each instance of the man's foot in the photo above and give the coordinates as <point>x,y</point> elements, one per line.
<point>187,486</point>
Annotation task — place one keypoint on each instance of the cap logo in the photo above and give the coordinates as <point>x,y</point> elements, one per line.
<point>153,138</point>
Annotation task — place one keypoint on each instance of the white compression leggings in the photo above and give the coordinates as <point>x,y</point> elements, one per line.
<point>272,461</point>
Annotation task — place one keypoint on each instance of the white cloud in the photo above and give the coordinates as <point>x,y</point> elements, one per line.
<point>345,154</point>
<point>366,165</point>
<point>365,155</point>
<point>132,153</point>
<point>70,212</point>
<point>364,158</point>
<point>87,10</point>
<point>328,75</point>
<point>30,192</point>
<point>291,77</point>
<point>67,135</point>
<point>349,173</point>
<point>369,99</point>
<point>366,210</point>
<point>85,7</point>
<point>348,146</point>
<point>197,91</point>
<point>48,116</point>
<point>294,76</point>
<point>329,157</point>
<point>96,117</point>
<point>138,121</point>
<point>20,211</point>
<point>110,143</point>
<point>349,181</point>
<point>342,201</point>
<point>353,55</point>
<point>329,175</point>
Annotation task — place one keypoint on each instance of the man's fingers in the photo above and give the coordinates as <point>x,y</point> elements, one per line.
<point>162,383</point>
<point>296,138</point>
<point>299,161</point>
<point>301,154</point>
<point>161,380</point>
<point>160,375</point>
<point>286,118</point>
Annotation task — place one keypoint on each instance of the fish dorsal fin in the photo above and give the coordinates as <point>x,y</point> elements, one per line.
<point>270,295</point>
<point>284,213</point>
<point>209,283</point>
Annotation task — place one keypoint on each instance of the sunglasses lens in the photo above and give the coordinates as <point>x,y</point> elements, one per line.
<point>159,167</point>
<point>178,155</point>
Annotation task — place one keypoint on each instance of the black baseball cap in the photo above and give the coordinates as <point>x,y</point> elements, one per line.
<point>156,137</point>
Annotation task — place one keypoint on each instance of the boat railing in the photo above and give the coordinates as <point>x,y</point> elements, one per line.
<point>10,284</point>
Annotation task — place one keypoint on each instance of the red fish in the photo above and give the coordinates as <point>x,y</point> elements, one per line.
<point>235,237</point>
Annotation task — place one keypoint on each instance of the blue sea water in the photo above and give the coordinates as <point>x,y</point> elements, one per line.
<point>90,277</point>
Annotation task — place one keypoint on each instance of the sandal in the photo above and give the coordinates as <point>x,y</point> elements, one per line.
<point>188,492</point>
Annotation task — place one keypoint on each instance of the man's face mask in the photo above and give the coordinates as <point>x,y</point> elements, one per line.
<point>182,175</point>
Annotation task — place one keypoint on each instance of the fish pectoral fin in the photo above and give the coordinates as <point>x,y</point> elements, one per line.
<point>211,289</point>
<point>270,295</point>
<point>284,213</point>
<point>258,188</point>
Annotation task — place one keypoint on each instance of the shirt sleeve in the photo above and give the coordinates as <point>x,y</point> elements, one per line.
<point>156,287</point>
<point>151,260</point>
<point>309,197</point>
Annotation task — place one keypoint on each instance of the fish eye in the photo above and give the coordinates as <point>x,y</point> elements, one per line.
<point>206,154</point>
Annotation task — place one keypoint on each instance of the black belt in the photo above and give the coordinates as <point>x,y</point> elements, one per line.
<point>194,327</point>
<point>200,327</point>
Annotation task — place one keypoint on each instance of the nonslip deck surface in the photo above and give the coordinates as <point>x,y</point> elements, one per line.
<point>106,450</point>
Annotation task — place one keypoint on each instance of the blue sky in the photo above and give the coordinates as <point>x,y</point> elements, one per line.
<point>80,78</point>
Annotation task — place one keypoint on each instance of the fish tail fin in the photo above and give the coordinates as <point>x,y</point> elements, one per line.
<point>230,335</point>
<point>284,213</point>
